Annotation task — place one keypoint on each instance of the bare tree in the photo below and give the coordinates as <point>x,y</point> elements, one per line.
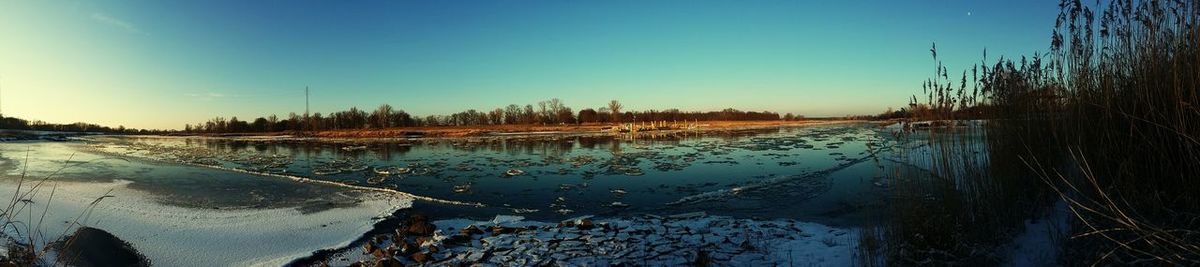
<point>512,114</point>
<point>544,114</point>
<point>382,117</point>
<point>615,108</point>
<point>528,116</point>
<point>496,117</point>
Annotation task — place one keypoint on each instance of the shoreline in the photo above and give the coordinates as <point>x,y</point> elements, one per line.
<point>503,131</point>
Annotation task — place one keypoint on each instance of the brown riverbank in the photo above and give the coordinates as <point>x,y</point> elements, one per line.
<point>531,129</point>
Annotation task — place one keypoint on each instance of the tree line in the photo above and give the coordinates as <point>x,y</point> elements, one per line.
<point>549,112</point>
<point>12,123</point>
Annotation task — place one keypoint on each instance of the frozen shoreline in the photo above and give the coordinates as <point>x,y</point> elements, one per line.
<point>178,236</point>
<point>644,240</point>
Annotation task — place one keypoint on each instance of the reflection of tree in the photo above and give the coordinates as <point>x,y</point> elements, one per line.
<point>615,148</point>
<point>385,152</point>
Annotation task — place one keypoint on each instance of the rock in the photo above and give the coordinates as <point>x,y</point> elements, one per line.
<point>368,247</point>
<point>379,253</point>
<point>470,230</point>
<point>457,239</point>
<point>419,225</point>
<point>421,229</point>
<point>420,257</point>
<point>407,248</point>
<point>586,224</point>
<point>500,230</point>
<point>95,247</point>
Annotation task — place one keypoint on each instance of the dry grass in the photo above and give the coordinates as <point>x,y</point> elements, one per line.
<point>18,217</point>
<point>1106,122</point>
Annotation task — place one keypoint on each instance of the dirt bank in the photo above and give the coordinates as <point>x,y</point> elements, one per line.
<point>533,129</point>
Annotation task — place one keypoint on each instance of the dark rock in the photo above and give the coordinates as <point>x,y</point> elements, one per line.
<point>500,230</point>
<point>420,257</point>
<point>94,247</point>
<point>470,230</point>
<point>419,225</point>
<point>369,247</point>
<point>379,253</point>
<point>457,239</point>
<point>586,224</point>
<point>421,229</point>
<point>407,248</point>
<point>388,262</point>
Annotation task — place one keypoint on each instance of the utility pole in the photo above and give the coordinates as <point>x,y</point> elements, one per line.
<point>307,120</point>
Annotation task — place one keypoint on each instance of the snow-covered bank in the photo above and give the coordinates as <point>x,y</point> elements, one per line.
<point>647,240</point>
<point>179,236</point>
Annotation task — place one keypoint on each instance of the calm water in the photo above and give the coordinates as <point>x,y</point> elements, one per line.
<point>819,173</point>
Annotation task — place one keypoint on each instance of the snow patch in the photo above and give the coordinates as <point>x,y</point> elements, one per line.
<point>179,236</point>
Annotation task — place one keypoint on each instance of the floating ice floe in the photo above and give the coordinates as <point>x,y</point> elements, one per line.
<point>524,211</point>
<point>326,171</point>
<point>618,205</point>
<point>461,189</point>
<point>513,172</point>
<point>390,170</point>
<point>376,179</point>
<point>618,191</point>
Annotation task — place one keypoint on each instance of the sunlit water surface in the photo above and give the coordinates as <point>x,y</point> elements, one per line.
<point>824,174</point>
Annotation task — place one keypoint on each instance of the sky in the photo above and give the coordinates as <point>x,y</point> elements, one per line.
<point>162,64</point>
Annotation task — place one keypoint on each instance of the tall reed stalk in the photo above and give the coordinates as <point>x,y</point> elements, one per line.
<point>1106,122</point>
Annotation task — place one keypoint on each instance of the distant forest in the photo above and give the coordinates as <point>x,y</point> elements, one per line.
<point>12,123</point>
<point>551,112</point>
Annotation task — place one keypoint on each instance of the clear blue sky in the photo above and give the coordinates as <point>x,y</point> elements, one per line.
<point>161,64</point>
